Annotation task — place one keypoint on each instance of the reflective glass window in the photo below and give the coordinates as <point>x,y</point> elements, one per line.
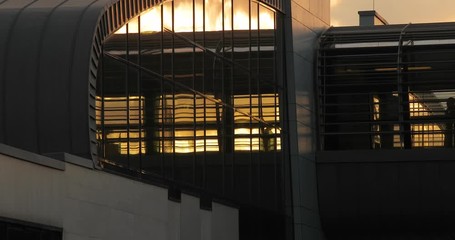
<point>188,91</point>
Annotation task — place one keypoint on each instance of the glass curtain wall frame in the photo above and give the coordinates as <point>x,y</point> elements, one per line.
<point>191,93</point>
<point>387,89</point>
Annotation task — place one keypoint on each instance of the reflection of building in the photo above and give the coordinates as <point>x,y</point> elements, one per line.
<point>183,119</point>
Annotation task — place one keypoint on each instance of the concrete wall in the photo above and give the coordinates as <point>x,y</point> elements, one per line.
<point>304,22</point>
<point>90,204</point>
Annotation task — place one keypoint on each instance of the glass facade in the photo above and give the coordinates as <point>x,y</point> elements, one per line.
<point>391,88</point>
<point>191,92</point>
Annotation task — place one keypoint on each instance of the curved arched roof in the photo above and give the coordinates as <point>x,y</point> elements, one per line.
<point>49,53</point>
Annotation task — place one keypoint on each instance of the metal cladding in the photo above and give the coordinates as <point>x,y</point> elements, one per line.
<point>49,52</point>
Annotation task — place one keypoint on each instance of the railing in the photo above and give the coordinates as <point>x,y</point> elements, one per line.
<point>392,87</point>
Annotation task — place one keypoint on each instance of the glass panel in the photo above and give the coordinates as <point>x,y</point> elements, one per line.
<point>117,110</point>
<point>263,136</point>
<point>213,15</point>
<point>183,15</point>
<point>242,16</point>
<point>199,15</point>
<point>151,21</point>
<point>180,108</point>
<point>168,16</point>
<point>131,27</point>
<point>228,15</point>
<point>199,105</point>
<point>266,18</point>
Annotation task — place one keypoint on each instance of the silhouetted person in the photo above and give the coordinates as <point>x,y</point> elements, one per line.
<point>450,124</point>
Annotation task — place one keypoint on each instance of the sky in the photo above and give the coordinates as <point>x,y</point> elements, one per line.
<point>344,12</point>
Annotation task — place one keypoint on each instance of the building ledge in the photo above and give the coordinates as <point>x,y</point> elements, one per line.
<point>31,157</point>
<point>73,159</point>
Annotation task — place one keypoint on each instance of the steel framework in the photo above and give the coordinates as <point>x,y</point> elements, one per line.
<point>386,87</point>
